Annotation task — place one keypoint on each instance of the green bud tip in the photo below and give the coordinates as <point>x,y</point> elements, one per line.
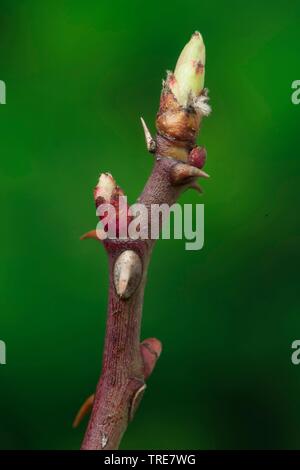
<point>187,82</point>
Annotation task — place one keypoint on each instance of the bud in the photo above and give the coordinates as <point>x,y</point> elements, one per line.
<point>187,82</point>
<point>112,207</point>
<point>183,103</point>
<point>105,187</point>
<point>197,157</point>
<point>127,273</point>
<point>151,350</point>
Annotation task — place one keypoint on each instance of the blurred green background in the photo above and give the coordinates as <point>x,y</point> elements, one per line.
<point>79,75</point>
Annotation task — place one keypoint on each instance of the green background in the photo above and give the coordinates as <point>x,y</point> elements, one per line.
<point>79,75</point>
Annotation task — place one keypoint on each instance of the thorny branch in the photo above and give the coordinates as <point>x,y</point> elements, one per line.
<point>128,362</point>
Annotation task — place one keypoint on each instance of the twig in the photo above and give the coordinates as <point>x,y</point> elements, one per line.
<point>127,362</point>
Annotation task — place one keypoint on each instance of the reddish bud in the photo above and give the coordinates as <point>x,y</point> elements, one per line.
<point>197,157</point>
<point>106,194</point>
<point>150,349</point>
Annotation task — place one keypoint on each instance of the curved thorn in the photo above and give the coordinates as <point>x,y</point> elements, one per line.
<point>181,173</point>
<point>196,187</point>
<point>150,142</point>
<point>90,234</point>
<point>85,408</point>
<point>202,173</point>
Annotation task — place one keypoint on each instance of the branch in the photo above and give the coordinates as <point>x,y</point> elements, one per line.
<point>127,362</point>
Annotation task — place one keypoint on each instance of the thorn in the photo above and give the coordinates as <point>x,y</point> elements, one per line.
<point>203,174</point>
<point>150,142</point>
<point>90,234</point>
<point>127,273</point>
<point>196,187</point>
<point>85,408</point>
<point>181,173</point>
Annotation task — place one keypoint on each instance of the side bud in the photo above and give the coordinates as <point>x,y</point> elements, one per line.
<point>114,211</point>
<point>127,273</point>
<point>105,187</point>
<point>197,157</point>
